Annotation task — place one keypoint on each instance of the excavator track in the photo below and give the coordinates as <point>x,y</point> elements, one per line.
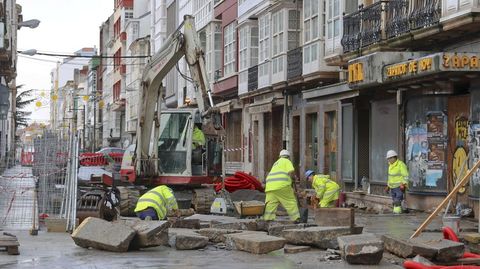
<point>203,199</point>
<point>128,201</point>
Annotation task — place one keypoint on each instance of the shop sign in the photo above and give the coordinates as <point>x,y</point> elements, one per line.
<point>460,62</point>
<point>355,73</point>
<point>409,68</point>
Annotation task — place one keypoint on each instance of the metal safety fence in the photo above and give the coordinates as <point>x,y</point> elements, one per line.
<point>45,187</point>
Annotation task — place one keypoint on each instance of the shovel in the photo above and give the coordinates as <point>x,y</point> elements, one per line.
<point>302,210</point>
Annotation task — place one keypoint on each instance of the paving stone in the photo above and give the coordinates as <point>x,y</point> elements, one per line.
<point>276,230</point>
<point>216,235</point>
<point>434,249</point>
<point>225,222</point>
<point>185,223</point>
<point>320,237</point>
<point>422,260</point>
<point>331,217</point>
<point>101,234</point>
<point>149,234</point>
<point>254,242</point>
<point>361,249</point>
<point>185,239</point>
<point>292,249</point>
<point>445,250</point>
<point>473,238</point>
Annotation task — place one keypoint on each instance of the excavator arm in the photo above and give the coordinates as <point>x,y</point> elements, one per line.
<point>183,42</point>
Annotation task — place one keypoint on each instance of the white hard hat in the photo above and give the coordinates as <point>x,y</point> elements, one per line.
<point>284,152</point>
<point>391,153</point>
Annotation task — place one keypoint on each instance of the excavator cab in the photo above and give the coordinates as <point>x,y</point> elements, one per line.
<point>179,152</point>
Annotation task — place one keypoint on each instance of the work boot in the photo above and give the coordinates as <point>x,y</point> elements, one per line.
<point>397,210</point>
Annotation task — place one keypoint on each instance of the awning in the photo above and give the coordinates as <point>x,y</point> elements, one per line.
<point>339,90</point>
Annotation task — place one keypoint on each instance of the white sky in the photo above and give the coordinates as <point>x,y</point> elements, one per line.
<point>66,26</point>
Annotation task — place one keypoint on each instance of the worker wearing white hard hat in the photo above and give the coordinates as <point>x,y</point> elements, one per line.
<point>279,189</point>
<point>397,182</point>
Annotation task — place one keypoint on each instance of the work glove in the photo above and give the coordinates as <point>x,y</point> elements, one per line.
<point>403,187</point>
<point>387,189</point>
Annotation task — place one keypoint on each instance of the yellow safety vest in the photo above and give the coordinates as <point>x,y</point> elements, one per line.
<point>160,198</point>
<point>397,174</point>
<point>325,187</point>
<point>198,138</point>
<point>278,177</point>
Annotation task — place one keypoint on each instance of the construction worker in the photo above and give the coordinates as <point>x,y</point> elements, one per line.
<point>279,189</point>
<point>397,180</point>
<point>327,190</point>
<point>198,138</point>
<point>155,204</point>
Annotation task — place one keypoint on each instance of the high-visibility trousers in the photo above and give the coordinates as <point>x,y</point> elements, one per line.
<point>329,198</point>
<point>284,196</point>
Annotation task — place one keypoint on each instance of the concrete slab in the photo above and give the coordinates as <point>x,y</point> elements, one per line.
<point>320,237</point>
<point>292,249</point>
<point>225,222</point>
<point>186,239</point>
<point>185,223</point>
<point>101,234</point>
<point>431,248</point>
<point>445,250</point>
<point>149,234</point>
<point>276,230</point>
<point>255,242</point>
<point>216,235</point>
<point>364,249</point>
<point>331,217</point>
<point>473,238</point>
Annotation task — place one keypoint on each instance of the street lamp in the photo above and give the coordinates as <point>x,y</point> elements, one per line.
<point>4,101</point>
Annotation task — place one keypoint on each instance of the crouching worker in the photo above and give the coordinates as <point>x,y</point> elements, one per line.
<point>156,203</point>
<point>327,190</point>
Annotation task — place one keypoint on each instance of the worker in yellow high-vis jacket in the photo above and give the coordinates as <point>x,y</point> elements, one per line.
<point>279,189</point>
<point>397,182</point>
<point>156,203</point>
<point>327,190</point>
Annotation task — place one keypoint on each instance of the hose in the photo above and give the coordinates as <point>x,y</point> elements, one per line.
<point>240,181</point>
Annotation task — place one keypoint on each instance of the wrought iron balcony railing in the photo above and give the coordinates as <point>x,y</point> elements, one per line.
<point>424,13</point>
<point>387,19</point>
<point>396,17</point>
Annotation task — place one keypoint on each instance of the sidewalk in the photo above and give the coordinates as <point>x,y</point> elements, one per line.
<point>17,198</point>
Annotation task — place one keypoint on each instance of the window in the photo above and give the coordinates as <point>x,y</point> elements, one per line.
<point>333,19</point>
<point>310,21</point>
<point>253,45</point>
<point>278,32</point>
<point>263,39</point>
<point>128,15</point>
<point>229,49</point>
<point>293,29</point>
<point>242,48</point>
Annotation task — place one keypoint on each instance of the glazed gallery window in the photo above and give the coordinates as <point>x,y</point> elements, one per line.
<point>229,49</point>
<point>426,143</point>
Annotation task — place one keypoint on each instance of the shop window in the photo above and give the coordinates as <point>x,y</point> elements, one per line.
<point>348,149</point>
<point>311,139</point>
<point>426,143</point>
<point>384,136</point>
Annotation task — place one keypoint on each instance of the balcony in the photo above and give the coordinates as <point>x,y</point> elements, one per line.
<point>407,24</point>
<point>294,64</point>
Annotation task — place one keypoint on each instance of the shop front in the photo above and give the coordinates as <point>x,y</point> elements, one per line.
<point>425,104</point>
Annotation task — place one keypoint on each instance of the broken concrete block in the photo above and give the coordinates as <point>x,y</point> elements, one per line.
<point>239,224</point>
<point>149,234</point>
<point>445,250</point>
<point>422,260</point>
<point>405,248</point>
<point>254,242</point>
<point>216,235</point>
<point>320,237</point>
<point>292,249</point>
<point>183,239</point>
<point>473,238</point>
<point>361,249</point>
<point>332,217</point>
<point>185,223</point>
<point>101,234</point>
<point>276,230</point>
